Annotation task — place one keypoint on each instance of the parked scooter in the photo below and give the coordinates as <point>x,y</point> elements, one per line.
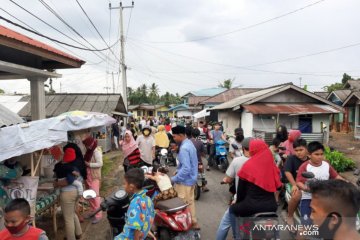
<point>116,206</point>
<point>201,182</point>
<point>165,157</point>
<point>221,155</point>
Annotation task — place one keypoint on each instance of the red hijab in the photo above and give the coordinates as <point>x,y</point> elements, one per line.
<point>90,144</point>
<point>288,144</point>
<point>260,169</point>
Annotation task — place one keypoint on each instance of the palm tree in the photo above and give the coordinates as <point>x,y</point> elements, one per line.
<point>154,93</point>
<point>227,83</point>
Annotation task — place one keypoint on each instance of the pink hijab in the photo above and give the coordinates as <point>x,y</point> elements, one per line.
<point>288,144</point>
<point>128,148</point>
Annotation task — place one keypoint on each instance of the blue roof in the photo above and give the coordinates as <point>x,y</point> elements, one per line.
<point>180,106</point>
<point>208,92</point>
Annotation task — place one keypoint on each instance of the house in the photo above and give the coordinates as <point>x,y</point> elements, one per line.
<point>337,120</point>
<point>353,102</point>
<point>149,110</point>
<point>260,112</point>
<point>56,104</point>
<point>195,97</point>
<point>184,110</point>
<point>322,94</point>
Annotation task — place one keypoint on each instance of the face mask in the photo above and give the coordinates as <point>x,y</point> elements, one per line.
<point>146,132</point>
<point>324,231</point>
<point>18,228</point>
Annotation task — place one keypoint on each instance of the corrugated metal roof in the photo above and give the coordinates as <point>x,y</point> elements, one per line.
<point>8,117</point>
<point>322,94</point>
<point>196,100</point>
<point>342,94</point>
<point>353,84</point>
<point>57,104</point>
<point>208,92</point>
<point>303,108</point>
<point>229,94</point>
<point>13,103</point>
<point>243,99</point>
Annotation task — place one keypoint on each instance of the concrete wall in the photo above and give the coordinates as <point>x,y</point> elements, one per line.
<point>267,122</point>
<point>231,120</point>
<point>184,113</point>
<point>247,123</point>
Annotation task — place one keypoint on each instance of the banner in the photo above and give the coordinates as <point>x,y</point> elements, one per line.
<point>24,187</point>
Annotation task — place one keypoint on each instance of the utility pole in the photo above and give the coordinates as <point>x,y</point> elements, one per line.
<point>300,81</point>
<point>122,53</point>
<point>112,74</point>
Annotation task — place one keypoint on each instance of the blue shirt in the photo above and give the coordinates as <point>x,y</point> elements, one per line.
<point>216,135</point>
<point>140,216</point>
<point>187,170</point>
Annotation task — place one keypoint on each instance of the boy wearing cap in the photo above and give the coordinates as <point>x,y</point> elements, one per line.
<point>187,170</point>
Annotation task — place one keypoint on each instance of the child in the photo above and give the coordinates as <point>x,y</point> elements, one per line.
<point>164,183</point>
<point>322,171</point>
<point>17,218</point>
<point>140,214</point>
<point>291,168</point>
<point>274,148</point>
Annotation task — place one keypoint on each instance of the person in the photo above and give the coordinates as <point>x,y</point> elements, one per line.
<point>69,195</point>
<point>142,122</point>
<point>274,148</point>
<point>322,171</point>
<point>215,135</point>
<point>288,144</point>
<point>200,151</point>
<point>122,130</point>
<point>187,170</point>
<point>334,208</point>
<point>291,168</point>
<point>134,130</point>
<point>141,213</point>
<point>153,129</point>
<point>163,181</point>
<point>282,133</point>
<point>228,219</point>
<point>94,162</point>
<point>131,151</point>
<point>258,181</point>
<point>17,218</point>
<point>161,138</point>
<point>116,133</point>
<point>146,145</point>
<point>71,171</point>
<point>167,125</point>
<point>235,145</point>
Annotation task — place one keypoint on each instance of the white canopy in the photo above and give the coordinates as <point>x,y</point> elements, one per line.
<point>29,137</point>
<point>78,120</point>
<point>202,113</point>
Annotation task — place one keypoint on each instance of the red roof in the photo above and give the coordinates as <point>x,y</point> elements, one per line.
<point>6,32</point>
<point>298,108</point>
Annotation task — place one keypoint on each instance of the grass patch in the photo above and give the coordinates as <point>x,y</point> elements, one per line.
<point>108,165</point>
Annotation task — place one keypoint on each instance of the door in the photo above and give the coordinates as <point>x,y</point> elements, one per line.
<point>305,123</point>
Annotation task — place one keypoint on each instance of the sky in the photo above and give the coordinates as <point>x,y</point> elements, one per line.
<point>185,45</point>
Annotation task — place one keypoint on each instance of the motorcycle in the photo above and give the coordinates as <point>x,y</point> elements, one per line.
<point>116,206</point>
<point>172,216</point>
<point>221,155</point>
<point>165,157</point>
<point>201,182</point>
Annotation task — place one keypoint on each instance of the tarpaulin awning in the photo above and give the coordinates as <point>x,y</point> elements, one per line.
<point>8,118</point>
<point>291,109</point>
<point>201,114</point>
<point>29,137</point>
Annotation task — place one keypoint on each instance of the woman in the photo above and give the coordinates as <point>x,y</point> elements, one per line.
<point>258,181</point>
<point>93,161</point>
<point>282,133</point>
<point>288,144</point>
<point>161,138</point>
<point>130,150</point>
<point>68,194</point>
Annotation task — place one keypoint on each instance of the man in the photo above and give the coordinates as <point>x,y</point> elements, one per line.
<point>334,205</point>
<point>200,150</point>
<point>235,146</point>
<point>187,170</point>
<point>215,135</point>
<point>146,145</point>
<point>116,133</point>
<point>231,174</point>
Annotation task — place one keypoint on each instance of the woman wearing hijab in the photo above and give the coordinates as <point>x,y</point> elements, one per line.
<point>258,181</point>
<point>130,150</point>
<point>161,138</point>
<point>94,162</point>
<point>288,144</point>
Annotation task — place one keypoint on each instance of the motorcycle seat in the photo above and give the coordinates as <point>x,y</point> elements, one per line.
<point>265,214</point>
<point>171,205</point>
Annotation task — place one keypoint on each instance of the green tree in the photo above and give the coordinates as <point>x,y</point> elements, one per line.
<point>334,87</point>
<point>154,94</point>
<point>305,87</point>
<point>345,78</point>
<point>2,91</point>
<point>227,83</point>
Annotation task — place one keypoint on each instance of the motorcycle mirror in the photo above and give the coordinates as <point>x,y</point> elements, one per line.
<point>89,194</point>
<point>164,152</point>
<point>235,146</point>
<point>308,175</point>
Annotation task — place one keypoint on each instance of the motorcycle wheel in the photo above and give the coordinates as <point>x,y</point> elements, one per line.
<point>164,234</point>
<point>197,192</point>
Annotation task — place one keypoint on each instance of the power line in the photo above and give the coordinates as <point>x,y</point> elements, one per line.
<point>128,26</point>
<point>239,29</point>
<point>92,23</point>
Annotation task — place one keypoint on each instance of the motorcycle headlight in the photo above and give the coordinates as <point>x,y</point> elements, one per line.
<point>222,153</point>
